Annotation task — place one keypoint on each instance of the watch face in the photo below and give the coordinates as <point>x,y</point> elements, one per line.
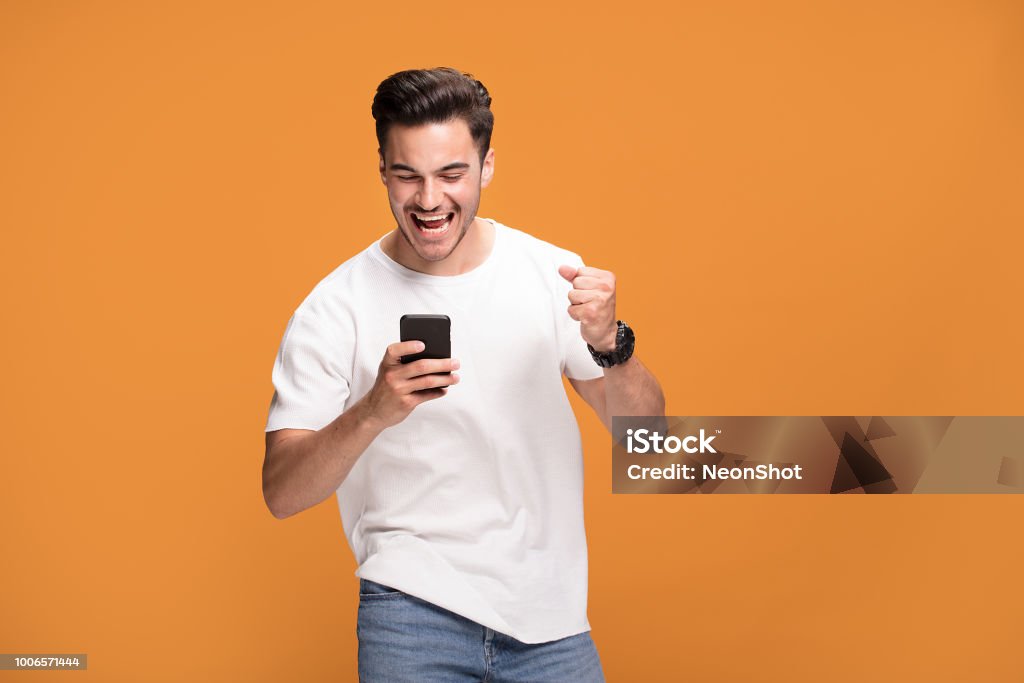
<point>627,333</point>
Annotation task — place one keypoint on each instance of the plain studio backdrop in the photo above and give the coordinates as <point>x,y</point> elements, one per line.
<point>812,208</point>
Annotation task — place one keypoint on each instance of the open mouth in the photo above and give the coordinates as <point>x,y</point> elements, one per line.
<point>433,224</point>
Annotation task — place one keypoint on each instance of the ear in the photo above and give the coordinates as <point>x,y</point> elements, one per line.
<point>487,171</point>
<point>380,155</point>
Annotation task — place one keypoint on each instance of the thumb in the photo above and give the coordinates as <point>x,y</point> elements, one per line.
<point>568,272</point>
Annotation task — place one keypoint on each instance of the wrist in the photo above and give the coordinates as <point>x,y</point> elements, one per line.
<point>606,343</point>
<point>366,420</point>
<point>621,349</point>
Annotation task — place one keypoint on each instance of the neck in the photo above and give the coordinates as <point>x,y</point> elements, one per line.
<point>472,251</point>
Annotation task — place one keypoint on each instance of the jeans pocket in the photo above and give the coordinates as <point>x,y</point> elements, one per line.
<point>371,590</point>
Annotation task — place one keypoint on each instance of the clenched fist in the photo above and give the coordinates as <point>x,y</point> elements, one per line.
<point>592,303</point>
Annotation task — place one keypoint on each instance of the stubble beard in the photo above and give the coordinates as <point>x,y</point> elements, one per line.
<point>466,221</point>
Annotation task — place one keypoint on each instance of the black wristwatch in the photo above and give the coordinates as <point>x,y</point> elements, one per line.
<point>625,340</point>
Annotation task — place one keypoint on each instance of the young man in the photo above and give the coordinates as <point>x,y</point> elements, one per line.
<point>461,494</point>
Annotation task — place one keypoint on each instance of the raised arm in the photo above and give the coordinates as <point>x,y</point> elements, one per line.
<point>625,389</point>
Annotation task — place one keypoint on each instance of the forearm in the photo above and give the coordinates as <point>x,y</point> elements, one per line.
<point>302,471</point>
<point>631,389</point>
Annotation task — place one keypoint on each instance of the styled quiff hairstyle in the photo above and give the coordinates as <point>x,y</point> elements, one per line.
<point>419,96</point>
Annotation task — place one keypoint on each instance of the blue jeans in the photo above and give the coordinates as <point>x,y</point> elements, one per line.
<point>405,639</point>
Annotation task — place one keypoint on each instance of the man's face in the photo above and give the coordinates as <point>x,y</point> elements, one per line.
<point>434,177</point>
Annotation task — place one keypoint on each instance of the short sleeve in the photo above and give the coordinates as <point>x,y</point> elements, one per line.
<point>309,390</point>
<point>577,363</point>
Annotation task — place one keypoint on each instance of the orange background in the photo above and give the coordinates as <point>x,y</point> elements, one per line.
<point>812,208</point>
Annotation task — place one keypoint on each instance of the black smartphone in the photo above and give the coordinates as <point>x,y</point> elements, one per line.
<point>433,330</point>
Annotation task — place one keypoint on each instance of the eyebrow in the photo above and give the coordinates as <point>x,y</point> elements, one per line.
<point>457,165</point>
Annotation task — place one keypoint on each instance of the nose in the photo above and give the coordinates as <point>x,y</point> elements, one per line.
<point>429,196</point>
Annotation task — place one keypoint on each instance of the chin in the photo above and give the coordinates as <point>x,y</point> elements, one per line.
<point>434,255</point>
<point>434,250</point>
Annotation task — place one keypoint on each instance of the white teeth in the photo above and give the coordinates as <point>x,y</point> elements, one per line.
<point>431,218</point>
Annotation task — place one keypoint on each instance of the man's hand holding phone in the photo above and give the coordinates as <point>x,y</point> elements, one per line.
<point>400,387</point>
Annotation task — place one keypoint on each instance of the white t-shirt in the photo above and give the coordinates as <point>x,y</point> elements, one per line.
<point>475,501</point>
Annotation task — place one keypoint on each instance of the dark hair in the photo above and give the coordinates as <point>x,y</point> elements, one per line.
<point>419,96</point>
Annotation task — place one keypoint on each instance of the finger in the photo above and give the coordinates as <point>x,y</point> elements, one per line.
<point>588,282</point>
<point>568,272</point>
<point>431,382</point>
<point>585,313</point>
<point>582,296</point>
<point>393,354</point>
<point>426,366</point>
<point>592,272</point>
<point>429,394</point>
